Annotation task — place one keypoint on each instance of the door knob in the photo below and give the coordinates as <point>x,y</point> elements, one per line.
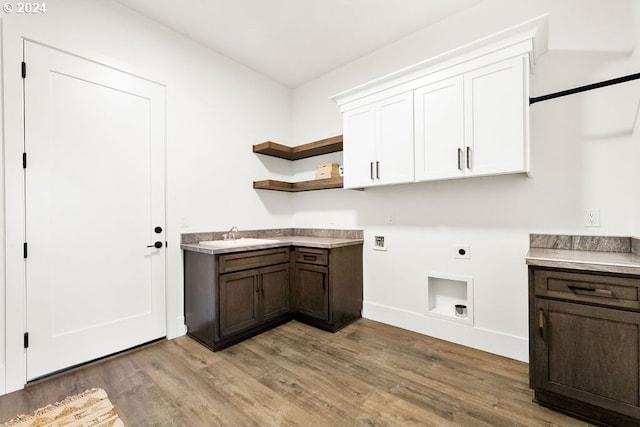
<point>158,230</point>
<point>156,245</point>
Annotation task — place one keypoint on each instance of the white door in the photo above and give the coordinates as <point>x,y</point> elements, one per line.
<point>494,115</point>
<point>395,161</point>
<point>94,139</point>
<point>439,130</point>
<point>359,147</point>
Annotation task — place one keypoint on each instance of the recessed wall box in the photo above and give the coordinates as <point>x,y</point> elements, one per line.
<point>445,293</point>
<point>379,243</point>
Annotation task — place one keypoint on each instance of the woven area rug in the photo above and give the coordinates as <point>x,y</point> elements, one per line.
<point>89,408</point>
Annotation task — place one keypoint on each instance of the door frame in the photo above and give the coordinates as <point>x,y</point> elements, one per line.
<point>13,374</point>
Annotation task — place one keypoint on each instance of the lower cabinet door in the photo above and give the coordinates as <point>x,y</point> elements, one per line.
<point>312,291</point>
<point>588,353</point>
<point>238,301</point>
<point>274,291</point>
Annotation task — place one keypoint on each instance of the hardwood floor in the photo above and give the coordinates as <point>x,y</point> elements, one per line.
<point>366,374</point>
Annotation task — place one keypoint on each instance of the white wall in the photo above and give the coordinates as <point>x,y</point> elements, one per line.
<point>216,109</point>
<point>636,132</point>
<point>2,253</point>
<point>582,156</point>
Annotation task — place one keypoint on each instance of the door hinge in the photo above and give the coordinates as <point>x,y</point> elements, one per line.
<point>24,160</point>
<point>24,69</point>
<point>26,340</point>
<point>24,249</point>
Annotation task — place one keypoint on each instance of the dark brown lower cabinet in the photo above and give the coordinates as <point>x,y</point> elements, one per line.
<point>231,297</point>
<point>234,296</point>
<point>238,301</point>
<point>274,295</point>
<point>585,344</point>
<point>248,298</point>
<point>312,291</point>
<point>328,286</point>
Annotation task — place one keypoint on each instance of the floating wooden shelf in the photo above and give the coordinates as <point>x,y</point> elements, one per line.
<point>316,148</point>
<point>292,187</point>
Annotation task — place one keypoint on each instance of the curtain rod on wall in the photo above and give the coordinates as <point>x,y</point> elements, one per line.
<point>623,79</point>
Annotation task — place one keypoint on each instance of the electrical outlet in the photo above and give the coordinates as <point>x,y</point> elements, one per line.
<point>379,243</point>
<point>592,218</point>
<point>463,251</point>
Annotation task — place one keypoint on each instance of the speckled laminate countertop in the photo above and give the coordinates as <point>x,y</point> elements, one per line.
<point>609,262</point>
<point>311,238</point>
<point>600,254</point>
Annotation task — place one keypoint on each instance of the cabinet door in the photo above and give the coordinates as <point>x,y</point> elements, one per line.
<point>238,301</point>
<point>312,291</point>
<point>359,147</point>
<point>495,108</point>
<point>588,353</point>
<point>394,131</point>
<point>439,130</point>
<point>274,291</point>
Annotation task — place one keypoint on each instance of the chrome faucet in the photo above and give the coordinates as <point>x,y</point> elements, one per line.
<point>231,234</point>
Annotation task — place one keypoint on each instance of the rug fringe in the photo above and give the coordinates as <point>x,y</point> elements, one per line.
<point>66,401</point>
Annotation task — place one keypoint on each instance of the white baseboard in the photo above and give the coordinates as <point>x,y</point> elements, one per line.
<point>2,381</point>
<point>483,339</point>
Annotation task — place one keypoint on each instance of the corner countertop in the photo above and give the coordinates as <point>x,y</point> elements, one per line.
<point>606,262</point>
<point>589,256</point>
<point>312,238</point>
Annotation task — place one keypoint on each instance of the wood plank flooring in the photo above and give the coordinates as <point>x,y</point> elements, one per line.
<point>367,374</point>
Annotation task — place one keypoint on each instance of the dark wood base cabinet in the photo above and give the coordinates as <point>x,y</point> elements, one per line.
<point>234,296</point>
<point>252,297</point>
<point>231,297</point>
<point>584,342</point>
<point>328,286</point>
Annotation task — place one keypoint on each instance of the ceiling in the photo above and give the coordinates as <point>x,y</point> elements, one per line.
<point>295,41</point>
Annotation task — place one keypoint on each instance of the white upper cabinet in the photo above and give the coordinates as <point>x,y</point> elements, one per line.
<point>360,152</point>
<point>394,144</point>
<point>439,130</point>
<point>463,113</point>
<point>495,110</point>
<point>378,143</point>
<point>473,124</point>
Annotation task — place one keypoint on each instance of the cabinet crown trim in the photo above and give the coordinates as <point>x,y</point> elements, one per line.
<point>531,36</point>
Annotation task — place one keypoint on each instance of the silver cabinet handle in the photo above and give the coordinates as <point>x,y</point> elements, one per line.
<point>541,322</point>
<point>460,159</point>
<point>595,291</point>
<point>371,170</point>
<point>378,170</point>
<point>469,158</point>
